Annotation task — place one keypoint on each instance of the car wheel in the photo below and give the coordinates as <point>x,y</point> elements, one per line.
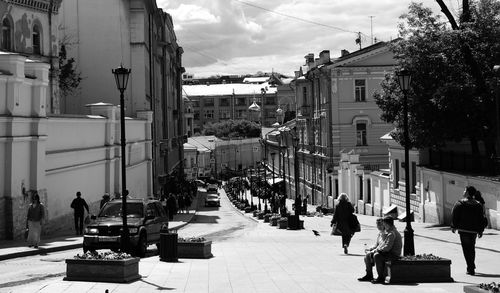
<point>142,246</point>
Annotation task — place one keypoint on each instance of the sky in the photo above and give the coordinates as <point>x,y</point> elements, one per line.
<point>222,37</point>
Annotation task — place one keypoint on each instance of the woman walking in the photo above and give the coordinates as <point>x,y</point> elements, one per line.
<point>342,218</point>
<point>36,214</point>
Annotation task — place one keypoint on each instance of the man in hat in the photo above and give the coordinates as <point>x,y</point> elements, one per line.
<point>104,200</point>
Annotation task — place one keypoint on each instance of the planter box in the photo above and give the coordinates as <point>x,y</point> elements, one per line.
<point>474,289</point>
<point>248,209</point>
<point>418,271</point>
<point>282,224</point>
<point>266,218</point>
<point>274,221</point>
<point>194,249</point>
<point>98,270</point>
<point>260,215</point>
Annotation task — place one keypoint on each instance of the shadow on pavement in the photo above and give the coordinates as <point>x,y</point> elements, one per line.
<point>487,275</point>
<point>204,219</point>
<point>157,286</point>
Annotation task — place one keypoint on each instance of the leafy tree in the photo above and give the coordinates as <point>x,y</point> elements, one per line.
<point>69,77</point>
<point>452,93</point>
<point>232,128</point>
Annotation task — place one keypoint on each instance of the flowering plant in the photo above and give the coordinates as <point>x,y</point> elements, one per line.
<point>191,239</point>
<point>491,287</point>
<point>103,255</point>
<point>421,257</point>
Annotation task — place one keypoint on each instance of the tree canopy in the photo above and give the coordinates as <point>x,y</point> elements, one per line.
<point>452,92</point>
<point>232,129</point>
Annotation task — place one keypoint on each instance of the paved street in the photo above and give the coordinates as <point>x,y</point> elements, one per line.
<point>251,256</point>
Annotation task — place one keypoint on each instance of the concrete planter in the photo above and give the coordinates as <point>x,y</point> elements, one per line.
<point>282,223</point>
<point>194,249</point>
<point>248,209</point>
<point>99,270</point>
<point>418,271</point>
<point>261,215</point>
<point>474,289</point>
<point>274,221</point>
<point>266,218</point>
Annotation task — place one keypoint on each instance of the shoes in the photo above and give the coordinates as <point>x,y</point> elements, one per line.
<point>345,249</point>
<point>471,272</point>
<point>365,278</point>
<point>378,281</point>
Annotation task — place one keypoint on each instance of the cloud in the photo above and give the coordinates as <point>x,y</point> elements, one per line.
<point>236,36</point>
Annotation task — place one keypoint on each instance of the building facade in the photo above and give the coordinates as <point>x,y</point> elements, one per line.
<point>30,28</point>
<point>336,112</point>
<point>101,35</point>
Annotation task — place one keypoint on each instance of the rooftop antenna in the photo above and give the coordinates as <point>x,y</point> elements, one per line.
<point>371,27</point>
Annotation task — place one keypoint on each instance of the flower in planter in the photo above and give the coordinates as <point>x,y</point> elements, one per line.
<point>191,239</point>
<point>491,287</point>
<point>103,255</point>
<point>421,257</point>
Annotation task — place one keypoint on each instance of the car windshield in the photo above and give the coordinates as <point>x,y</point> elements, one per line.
<point>212,196</point>
<point>114,209</point>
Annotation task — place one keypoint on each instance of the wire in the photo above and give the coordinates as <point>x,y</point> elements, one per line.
<point>297,18</point>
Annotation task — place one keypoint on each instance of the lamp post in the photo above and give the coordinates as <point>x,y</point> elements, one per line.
<point>273,155</point>
<point>295,142</point>
<point>121,77</point>
<point>496,71</point>
<point>404,80</point>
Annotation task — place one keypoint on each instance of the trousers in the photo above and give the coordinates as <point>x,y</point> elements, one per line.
<point>468,241</point>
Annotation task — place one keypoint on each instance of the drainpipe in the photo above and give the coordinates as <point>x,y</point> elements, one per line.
<point>51,62</point>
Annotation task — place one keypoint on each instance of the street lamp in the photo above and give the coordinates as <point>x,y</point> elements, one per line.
<point>121,78</point>
<point>295,142</point>
<point>273,155</point>
<point>404,80</point>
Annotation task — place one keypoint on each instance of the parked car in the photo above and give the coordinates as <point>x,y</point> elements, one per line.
<point>212,200</point>
<point>145,219</point>
<point>212,188</point>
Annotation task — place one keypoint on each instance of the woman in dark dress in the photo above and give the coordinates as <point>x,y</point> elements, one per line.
<point>342,217</point>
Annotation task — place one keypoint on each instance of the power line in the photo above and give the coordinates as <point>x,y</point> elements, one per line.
<point>297,18</point>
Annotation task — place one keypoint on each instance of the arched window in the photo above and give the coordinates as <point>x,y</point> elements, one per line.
<point>36,40</point>
<point>6,35</point>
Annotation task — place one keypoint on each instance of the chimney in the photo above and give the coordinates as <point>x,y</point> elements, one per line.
<point>309,60</point>
<point>344,52</point>
<point>324,56</point>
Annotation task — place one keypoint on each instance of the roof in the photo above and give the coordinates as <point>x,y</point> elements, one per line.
<point>261,79</point>
<point>203,142</point>
<point>188,146</point>
<point>227,89</point>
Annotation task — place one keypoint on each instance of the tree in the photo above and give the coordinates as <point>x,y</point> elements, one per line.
<point>69,76</point>
<point>232,129</point>
<point>452,95</point>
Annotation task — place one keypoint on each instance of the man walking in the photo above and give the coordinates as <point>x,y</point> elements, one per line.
<point>467,218</point>
<point>78,204</point>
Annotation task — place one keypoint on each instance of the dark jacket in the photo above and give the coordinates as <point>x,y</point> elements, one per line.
<point>342,217</point>
<point>78,204</point>
<point>467,216</point>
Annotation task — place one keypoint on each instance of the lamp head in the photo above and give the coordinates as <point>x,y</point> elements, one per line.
<point>121,77</point>
<point>404,79</point>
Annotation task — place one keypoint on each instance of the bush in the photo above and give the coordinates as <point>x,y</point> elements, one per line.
<point>103,255</point>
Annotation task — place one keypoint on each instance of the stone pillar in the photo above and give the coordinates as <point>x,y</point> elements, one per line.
<point>148,116</point>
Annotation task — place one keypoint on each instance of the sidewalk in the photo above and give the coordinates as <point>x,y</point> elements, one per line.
<point>18,248</point>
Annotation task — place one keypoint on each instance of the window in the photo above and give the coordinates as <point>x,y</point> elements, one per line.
<point>241,102</point>
<point>270,101</point>
<point>396,173</point>
<point>224,102</point>
<point>196,114</point>
<point>304,96</point>
<point>209,114</point>
<point>36,40</point>
<point>224,114</point>
<point>240,113</point>
<point>196,104</point>
<point>361,134</point>
<point>208,102</point>
<point>360,90</point>
<point>6,35</point>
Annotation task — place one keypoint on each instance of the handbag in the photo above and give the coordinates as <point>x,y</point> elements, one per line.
<point>335,230</point>
<point>354,224</point>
